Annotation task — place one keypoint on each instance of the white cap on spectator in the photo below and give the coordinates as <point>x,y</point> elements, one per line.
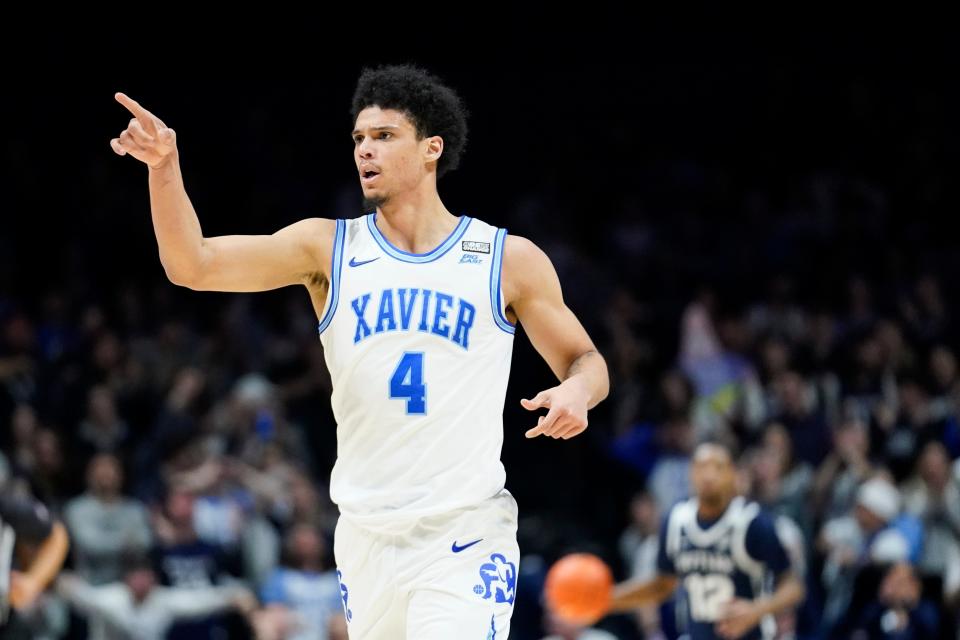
<point>880,497</point>
<point>888,547</point>
<point>253,389</point>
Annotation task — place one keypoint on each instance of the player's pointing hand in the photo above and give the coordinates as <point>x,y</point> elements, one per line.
<point>146,137</point>
<point>567,415</point>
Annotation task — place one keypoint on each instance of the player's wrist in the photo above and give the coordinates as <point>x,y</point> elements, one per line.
<point>578,381</point>
<point>166,163</point>
<point>761,607</point>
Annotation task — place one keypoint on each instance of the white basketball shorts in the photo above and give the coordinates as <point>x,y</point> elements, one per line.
<point>452,575</point>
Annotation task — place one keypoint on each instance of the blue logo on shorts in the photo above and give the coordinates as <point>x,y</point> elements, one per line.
<point>499,579</point>
<point>343,595</point>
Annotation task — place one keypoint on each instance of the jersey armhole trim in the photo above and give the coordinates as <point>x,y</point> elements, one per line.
<point>496,294</point>
<point>336,267</point>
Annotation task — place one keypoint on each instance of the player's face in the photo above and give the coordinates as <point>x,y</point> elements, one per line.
<point>713,474</point>
<point>385,145</point>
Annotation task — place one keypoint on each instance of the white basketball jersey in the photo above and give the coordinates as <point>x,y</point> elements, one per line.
<point>418,347</point>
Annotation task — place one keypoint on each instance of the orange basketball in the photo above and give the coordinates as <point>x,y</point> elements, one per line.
<point>578,588</point>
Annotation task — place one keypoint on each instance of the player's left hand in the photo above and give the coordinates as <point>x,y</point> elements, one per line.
<point>24,590</point>
<point>737,618</point>
<point>567,415</point>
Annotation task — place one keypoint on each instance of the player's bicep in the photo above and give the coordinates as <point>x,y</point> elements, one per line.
<point>537,300</point>
<point>248,263</point>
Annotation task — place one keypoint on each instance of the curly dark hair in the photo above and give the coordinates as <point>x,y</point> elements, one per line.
<point>433,108</point>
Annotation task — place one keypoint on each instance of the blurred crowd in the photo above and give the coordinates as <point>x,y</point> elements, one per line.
<point>186,438</point>
<point>193,502</point>
<point>849,430</point>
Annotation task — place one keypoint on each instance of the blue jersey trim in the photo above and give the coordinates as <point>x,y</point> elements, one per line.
<point>496,266</point>
<point>406,256</point>
<point>339,239</point>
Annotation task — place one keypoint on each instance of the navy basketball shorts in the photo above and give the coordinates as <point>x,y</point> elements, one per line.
<point>453,575</point>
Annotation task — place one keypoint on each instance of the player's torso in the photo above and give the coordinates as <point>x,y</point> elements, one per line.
<point>712,563</point>
<point>418,349</point>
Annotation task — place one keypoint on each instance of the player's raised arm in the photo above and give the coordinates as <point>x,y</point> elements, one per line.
<point>293,255</point>
<point>535,296</point>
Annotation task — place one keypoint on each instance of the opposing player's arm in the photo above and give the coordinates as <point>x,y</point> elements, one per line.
<point>295,254</point>
<point>532,290</point>
<point>790,592</point>
<point>739,615</point>
<point>633,594</point>
<point>763,543</point>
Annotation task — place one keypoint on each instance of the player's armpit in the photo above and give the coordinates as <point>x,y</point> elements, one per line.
<point>247,263</point>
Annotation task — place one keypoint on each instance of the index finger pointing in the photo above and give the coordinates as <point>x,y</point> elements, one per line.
<point>144,117</point>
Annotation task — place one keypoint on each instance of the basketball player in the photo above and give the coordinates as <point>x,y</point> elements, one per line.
<point>417,310</point>
<point>725,553</point>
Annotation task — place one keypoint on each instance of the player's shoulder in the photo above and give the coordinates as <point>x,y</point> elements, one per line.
<point>527,268</point>
<point>315,227</point>
<point>755,520</point>
<point>519,249</point>
<point>316,236</point>
<point>310,231</point>
<point>680,512</point>
<point>744,512</point>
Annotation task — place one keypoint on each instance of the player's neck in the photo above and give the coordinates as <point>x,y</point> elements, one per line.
<point>416,225</point>
<point>712,511</point>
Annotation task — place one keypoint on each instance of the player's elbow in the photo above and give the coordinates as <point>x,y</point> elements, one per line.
<point>191,277</point>
<point>605,378</point>
<point>796,589</point>
<point>801,591</point>
<point>183,270</point>
<point>183,278</point>
<point>602,377</point>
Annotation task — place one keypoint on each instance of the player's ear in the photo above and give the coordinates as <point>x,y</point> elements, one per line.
<point>433,148</point>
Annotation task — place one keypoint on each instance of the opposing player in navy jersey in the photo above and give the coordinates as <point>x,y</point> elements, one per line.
<point>724,554</point>
<point>417,309</point>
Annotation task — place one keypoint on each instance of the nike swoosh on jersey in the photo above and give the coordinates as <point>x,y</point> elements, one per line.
<point>457,549</point>
<point>354,263</point>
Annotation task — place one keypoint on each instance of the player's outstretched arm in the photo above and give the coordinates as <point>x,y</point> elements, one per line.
<point>532,290</point>
<point>293,255</point>
<point>634,594</point>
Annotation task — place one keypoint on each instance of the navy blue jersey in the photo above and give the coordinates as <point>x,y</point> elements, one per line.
<point>735,556</point>
<point>194,565</point>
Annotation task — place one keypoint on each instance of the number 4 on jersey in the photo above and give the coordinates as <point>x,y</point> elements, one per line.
<point>407,382</point>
